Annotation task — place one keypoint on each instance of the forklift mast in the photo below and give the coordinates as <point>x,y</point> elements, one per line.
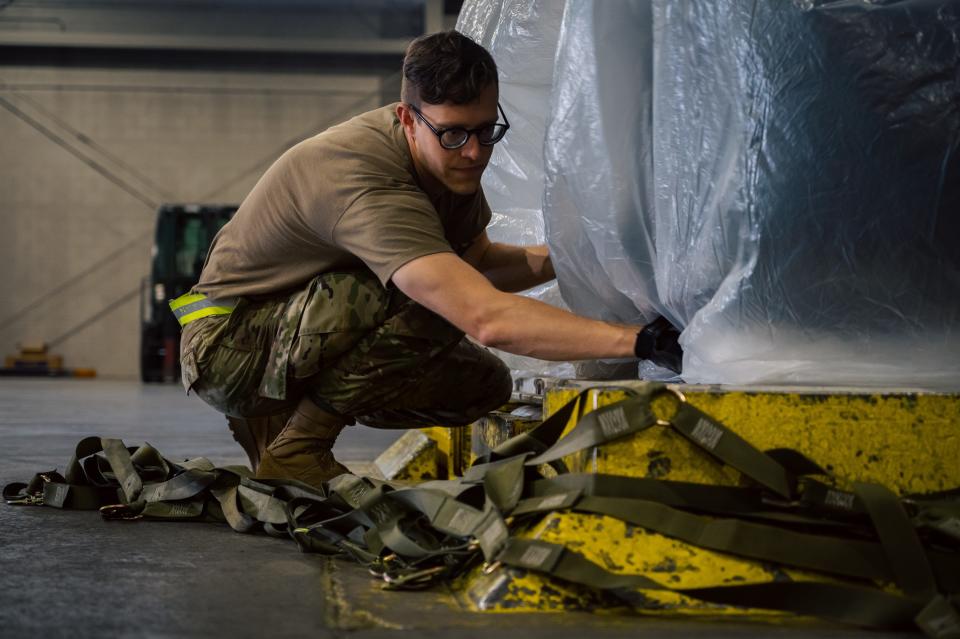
<point>184,234</point>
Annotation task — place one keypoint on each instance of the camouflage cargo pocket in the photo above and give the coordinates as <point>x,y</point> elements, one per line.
<point>230,378</point>
<point>232,356</point>
<point>339,310</point>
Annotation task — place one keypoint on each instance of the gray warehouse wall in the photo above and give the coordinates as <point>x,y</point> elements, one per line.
<point>88,154</point>
<point>109,108</point>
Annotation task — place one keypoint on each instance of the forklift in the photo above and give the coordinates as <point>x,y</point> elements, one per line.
<point>184,234</point>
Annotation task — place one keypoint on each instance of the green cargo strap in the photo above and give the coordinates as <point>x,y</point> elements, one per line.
<point>847,604</point>
<point>458,519</point>
<point>634,415</point>
<point>899,540</point>
<point>193,306</point>
<point>818,495</point>
<point>413,537</point>
<point>119,458</point>
<point>725,500</point>
<point>943,518</point>
<point>504,482</point>
<point>183,486</point>
<point>602,425</point>
<point>841,556</point>
<point>731,449</point>
<point>745,502</point>
<point>941,618</point>
<point>51,489</point>
<point>543,437</point>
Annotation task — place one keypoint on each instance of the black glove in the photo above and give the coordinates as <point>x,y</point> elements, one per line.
<point>658,342</point>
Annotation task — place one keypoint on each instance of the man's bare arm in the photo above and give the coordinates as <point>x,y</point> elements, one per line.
<point>450,287</point>
<point>510,268</point>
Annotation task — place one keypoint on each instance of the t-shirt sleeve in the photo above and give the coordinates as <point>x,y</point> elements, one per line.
<point>388,228</point>
<point>483,217</point>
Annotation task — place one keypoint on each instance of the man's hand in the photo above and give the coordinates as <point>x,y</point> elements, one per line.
<point>659,342</point>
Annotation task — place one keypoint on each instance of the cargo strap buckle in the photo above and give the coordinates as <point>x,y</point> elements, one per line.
<point>396,576</point>
<point>119,512</point>
<point>412,580</point>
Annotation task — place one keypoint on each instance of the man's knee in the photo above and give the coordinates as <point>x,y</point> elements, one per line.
<point>349,317</point>
<point>413,320</point>
<point>488,391</point>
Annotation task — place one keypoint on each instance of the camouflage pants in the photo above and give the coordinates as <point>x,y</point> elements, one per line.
<point>353,347</point>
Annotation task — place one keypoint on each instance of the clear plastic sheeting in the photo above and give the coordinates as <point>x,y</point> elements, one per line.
<point>779,179</point>
<point>522,37</point>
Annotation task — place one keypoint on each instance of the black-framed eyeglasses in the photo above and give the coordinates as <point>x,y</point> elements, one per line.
<point>456,136</point>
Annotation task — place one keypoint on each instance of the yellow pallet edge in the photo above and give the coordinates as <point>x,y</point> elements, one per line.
<point>883,437</point>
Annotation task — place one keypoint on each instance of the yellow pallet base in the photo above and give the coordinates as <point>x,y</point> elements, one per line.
<point>441,452</point>
<point>624,549</point>
<point>413,457</point>
<point>907,441</point>
<point>489,432</point>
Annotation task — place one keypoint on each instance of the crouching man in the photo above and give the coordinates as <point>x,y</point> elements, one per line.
<point>347,284</point>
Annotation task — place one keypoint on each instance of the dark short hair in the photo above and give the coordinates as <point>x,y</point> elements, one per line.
<point>446,67</point>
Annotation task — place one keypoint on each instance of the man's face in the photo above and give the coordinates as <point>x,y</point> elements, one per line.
<point>459,170</point>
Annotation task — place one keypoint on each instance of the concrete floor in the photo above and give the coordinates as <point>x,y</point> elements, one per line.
<point>69,573</point>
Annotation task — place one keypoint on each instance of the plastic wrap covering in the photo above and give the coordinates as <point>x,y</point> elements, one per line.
<point>780,179</point>
<point>522,37</point>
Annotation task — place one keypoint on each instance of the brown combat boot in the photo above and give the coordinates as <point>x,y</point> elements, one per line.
<point>303,449</point>
<point>254,434</point>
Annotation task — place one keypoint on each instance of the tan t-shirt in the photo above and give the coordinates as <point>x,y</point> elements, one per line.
<point>345,199</point>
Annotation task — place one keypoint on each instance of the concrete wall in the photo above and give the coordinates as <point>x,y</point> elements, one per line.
<point>109,108</point>
<point>89,154</point>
